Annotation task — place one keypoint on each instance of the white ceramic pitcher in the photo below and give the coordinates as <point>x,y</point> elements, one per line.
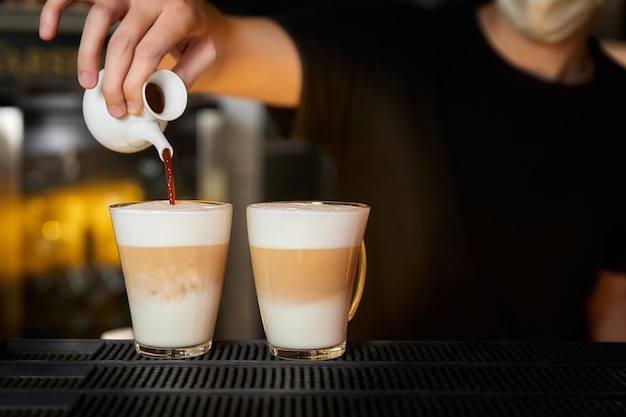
<point>133,133</point>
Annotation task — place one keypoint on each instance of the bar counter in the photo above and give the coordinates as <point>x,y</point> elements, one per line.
<point>91,378</point>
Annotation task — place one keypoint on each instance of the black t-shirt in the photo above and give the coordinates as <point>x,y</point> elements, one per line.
<point>495,196</point>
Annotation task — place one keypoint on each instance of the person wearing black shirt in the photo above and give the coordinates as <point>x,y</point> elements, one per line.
<point>485,138</point>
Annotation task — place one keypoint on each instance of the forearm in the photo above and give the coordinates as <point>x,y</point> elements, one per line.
<point>607,308</point>
<point>255,59</point>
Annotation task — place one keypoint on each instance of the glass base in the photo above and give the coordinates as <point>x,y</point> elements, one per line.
<point>309,354</point>
<point>173,353</point>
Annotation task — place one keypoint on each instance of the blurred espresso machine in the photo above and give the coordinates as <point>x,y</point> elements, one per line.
<point>60,275</point>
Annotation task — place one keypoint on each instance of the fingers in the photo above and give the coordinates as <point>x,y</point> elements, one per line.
<point>147,30</point>
<point>170,26</point>
<point>197,53</point>
<point>97,24</point>
<point>122,93</point>
<point>50,17</point>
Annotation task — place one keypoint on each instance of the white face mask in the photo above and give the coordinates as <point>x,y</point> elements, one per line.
<point>548,20</point>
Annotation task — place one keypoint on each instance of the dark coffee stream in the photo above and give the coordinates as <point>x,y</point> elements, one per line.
<point>169,176</point>
<point>156,101</point>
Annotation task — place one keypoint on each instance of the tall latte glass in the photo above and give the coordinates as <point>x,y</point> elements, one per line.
<point>306,257</point>
<point>173,259</point>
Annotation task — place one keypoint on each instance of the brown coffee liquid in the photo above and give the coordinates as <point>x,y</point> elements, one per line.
<point>155,98</point>
<point>169,176</point>
<point>171,273</point>
<point>303,275</point>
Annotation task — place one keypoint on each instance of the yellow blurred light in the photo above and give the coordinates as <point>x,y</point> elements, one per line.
<point>71,233</point>
<point>51,230</point>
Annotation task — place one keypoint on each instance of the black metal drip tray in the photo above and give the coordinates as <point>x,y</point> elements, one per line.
<point>347,405</point>
<point>107,378</point>
<point>21,403</point>
<point>62,350</point>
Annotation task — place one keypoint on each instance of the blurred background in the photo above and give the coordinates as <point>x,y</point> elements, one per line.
<point>59,270</point>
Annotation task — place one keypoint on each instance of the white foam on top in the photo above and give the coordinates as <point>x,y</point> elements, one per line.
<point>302,225</point>
<point>164,206</point>
<point>158,223</point>
<point>307,206</point>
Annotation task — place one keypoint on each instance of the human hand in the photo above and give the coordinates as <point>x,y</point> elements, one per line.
<point>147,31</point>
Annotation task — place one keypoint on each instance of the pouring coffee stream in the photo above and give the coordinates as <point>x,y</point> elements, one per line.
<point>169,176</point>
<point>164,98</point>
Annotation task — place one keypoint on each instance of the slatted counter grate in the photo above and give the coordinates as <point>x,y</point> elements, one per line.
<point>107,378</point>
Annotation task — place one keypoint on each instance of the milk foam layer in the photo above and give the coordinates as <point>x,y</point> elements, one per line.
<point>158,223</point>
<point>306,225</point>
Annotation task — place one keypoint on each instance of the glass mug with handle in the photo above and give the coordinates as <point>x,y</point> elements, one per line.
<point>305,257</point>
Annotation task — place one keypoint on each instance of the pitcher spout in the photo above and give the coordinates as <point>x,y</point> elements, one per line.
<point>150,131</point>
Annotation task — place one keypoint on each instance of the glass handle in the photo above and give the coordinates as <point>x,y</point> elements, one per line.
<point>360,283</point>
